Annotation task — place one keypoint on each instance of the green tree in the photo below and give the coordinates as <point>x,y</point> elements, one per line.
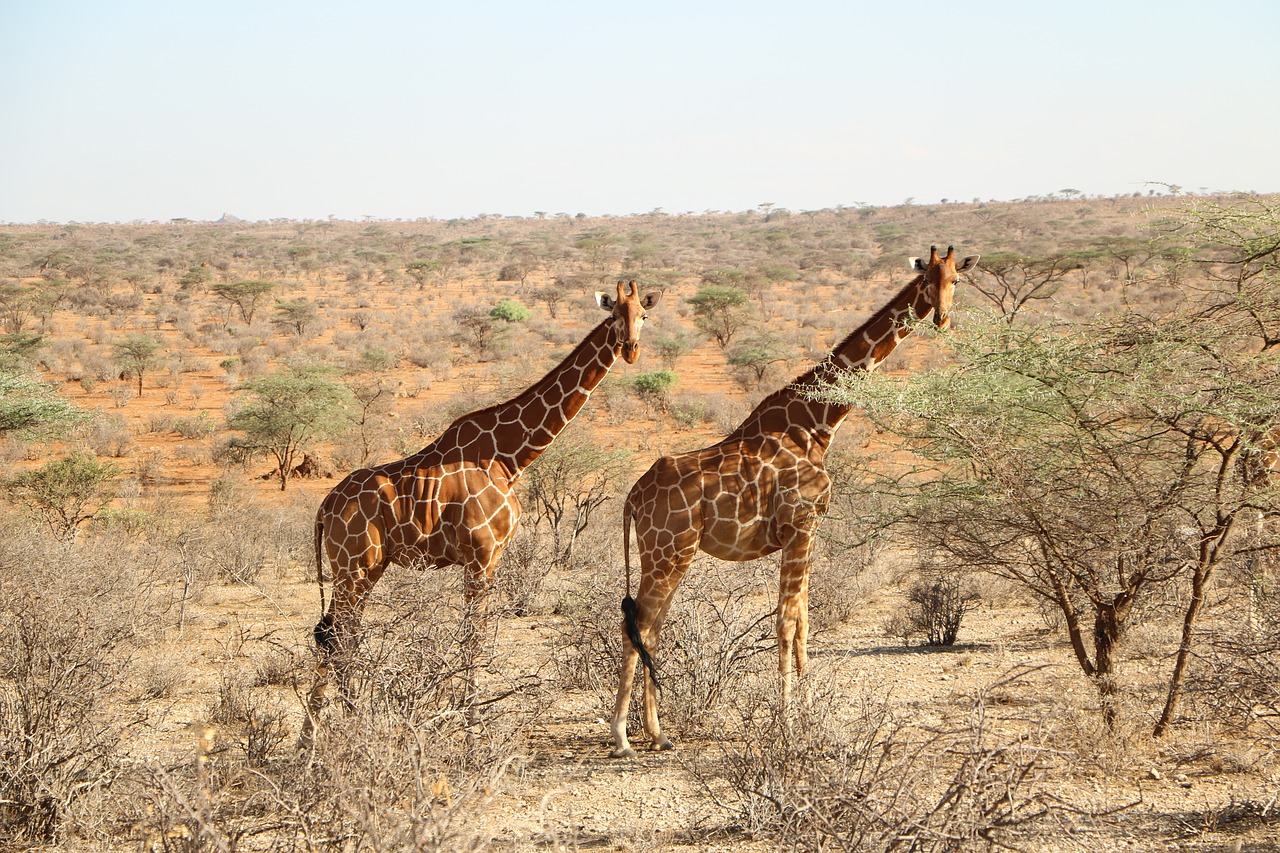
<point>655,386</point>
<point>510,311</point>
<point>420,271</point>
<point>296,316</point>
<point>67,492</point>
<point>196,278</point>
<point>137,354</point>
<point>18,348</point>
<point>1093,464</point>
<point>754,355</point>
<point>31,407</point>
<point>245,295</point>
<point>720,312</point>
<point>1239,254</point>
<point>284,413</point>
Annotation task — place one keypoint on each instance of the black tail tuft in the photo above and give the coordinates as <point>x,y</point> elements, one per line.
<point>326,634</point>
<point>631,624</point>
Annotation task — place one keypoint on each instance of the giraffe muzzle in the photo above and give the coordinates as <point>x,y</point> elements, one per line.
<point>630,351</point>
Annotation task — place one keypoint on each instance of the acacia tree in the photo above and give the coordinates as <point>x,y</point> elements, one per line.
<point>568,483</point>
<point>1093,464</point>
<point>285,413</point>
<point>296,316</point>
<point>1010,280</point>
<point>245,295</point>
<point>756,354</point>
<point>1239,250</point>
<point>1240,261</point>
<point>31,407</point>
<point>67,492</point>
<point>720,312</point>
<point>136,354</point>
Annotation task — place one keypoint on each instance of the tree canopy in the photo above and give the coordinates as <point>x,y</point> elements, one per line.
<point>1091,463</point>
<point>287,411</point>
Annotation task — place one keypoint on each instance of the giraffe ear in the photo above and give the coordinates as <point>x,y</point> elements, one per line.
<point>968,263</point>
<point>917,264</point>
<point>603,300</point>
<point>651,299</point>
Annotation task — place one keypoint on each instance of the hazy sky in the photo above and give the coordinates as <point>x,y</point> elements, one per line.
<point>116,111</point>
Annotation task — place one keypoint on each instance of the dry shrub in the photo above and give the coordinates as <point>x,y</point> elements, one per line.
<point>936,605</point>
<point>867,779</point>
<point>843,575</point>
<point>256,718</point>
<point>526,563</point>
<point>108,435</point>
<point>422,659</point>
<point>243,536</point>
<point>716,631</point>
<point>1236,680</point>
<point>65,619</point>
<point>409,763</point>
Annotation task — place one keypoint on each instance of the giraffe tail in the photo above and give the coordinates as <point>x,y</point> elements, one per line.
<point>325,636</point>
<point>630,614</point>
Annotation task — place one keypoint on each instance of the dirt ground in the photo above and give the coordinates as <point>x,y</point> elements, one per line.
<point>1197,790</point>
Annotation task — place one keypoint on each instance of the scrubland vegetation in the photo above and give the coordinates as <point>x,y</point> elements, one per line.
<point>1044,604</point>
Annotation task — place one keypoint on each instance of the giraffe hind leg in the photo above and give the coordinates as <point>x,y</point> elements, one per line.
<point>326,637</point>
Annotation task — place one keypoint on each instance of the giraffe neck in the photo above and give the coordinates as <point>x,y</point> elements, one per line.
<point>524,426</point>
<point>865,349</point>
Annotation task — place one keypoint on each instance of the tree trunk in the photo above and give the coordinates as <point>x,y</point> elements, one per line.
<point>1073,625</point>
<point>1209,557</point>
<point>1107,627</point>
<point>1198,580</point>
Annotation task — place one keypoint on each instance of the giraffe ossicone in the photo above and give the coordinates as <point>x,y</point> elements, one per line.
<point>763,489</point>
<point>454,501</point>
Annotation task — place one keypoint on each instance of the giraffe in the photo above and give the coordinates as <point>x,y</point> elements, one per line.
<point>454,501</point>
<point>763,489</point>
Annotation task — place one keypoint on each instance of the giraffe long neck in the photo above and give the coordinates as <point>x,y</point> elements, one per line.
<point>516,432</point>
<point>866,348</point>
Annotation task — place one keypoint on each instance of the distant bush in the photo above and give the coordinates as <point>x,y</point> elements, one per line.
<point>656,383</point>
<point>196,427</point>
<point>937,606</point>
<point>510,311</point>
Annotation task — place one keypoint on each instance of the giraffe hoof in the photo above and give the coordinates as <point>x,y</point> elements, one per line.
<point>662,745</point>
<point>625,752</point>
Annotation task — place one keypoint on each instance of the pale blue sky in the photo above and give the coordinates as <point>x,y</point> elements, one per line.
<point>116,111</point>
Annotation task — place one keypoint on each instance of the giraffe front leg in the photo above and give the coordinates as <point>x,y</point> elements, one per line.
<point>793,611</point>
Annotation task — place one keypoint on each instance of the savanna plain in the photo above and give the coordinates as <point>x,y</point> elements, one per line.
<point>1043,604</point>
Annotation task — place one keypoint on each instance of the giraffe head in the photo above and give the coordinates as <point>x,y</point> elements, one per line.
<point>629,312</point>
<point>940,275</point>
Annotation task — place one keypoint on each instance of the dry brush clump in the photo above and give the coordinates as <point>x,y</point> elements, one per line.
<point>68,620</point>
<point>718,633</point>
<point>408,757</point>
<point>835,775</point>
